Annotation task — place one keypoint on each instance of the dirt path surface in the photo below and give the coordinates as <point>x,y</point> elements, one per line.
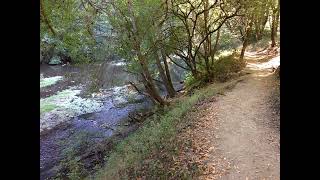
<point>237,135</point>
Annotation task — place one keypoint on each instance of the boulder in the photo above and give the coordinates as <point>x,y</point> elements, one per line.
<point>55,60</point>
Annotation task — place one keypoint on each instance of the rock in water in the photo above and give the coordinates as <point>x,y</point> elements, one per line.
<point>55,60</point>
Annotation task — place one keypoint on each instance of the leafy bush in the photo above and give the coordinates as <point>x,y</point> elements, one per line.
<point>226,66</point>
<point>223,69</point>
<point>191,81</point>
<point>228,40</point>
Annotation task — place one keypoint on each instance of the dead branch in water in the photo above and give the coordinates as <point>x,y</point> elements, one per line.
<point>136,88</point>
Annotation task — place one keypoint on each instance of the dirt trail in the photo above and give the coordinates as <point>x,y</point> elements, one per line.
<point>241,131</point>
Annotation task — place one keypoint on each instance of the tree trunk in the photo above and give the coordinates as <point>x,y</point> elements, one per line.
<point>207,64</point>
<point>277,18</point>
<point>258,30</point>
<point>273,32</point>
<point>261,22</point>
<point>171,92</point>
<point>215,48</point>
<point>275,22</point>
<point>245,41</point>
<point>148,82</point>
<point>244,46</point>
<point>207,43</point>
<point>194,73</point>
<point>264,23</point>
<point>166,67</point>
<point>147,79</point>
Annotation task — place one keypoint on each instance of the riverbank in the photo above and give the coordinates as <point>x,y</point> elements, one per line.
<point>155,150</point>
<point>155,131</point>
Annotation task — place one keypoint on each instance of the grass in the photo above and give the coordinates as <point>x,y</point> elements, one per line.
<point>71,166</point>
<point>156,131</point>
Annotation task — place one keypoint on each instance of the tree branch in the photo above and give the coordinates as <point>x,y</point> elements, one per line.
<point>45,18</point>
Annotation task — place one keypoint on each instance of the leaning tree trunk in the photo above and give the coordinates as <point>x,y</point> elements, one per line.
<point>244,46</point>
<point>45,18</point>
<point>148,83</point>
<point>166,67</point>
<point>163,76</point>
<point>146,76</point>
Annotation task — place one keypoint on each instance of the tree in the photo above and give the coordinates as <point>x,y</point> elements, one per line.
<point>69,27</point>
<point>135,24</point>
<point>275,8</point>
<point>244,24</point>
<point>198,20</point>
<point>44,18</point>
<point>261,16</point>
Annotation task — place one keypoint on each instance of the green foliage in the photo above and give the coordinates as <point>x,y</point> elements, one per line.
<point>191,81</point>
<point>74,25</point>
<point>222,69</point>
<point>228,40</point>
<point>146,15</point>
<point>226,66</point>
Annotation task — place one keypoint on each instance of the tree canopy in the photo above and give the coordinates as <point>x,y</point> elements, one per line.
<point>152,35</point>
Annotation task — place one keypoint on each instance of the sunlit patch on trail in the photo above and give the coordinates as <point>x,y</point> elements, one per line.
<point>272,64</point>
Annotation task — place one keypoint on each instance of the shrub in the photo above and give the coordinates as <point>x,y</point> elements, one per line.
<point>190,80</point>
<point>226,66</point>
